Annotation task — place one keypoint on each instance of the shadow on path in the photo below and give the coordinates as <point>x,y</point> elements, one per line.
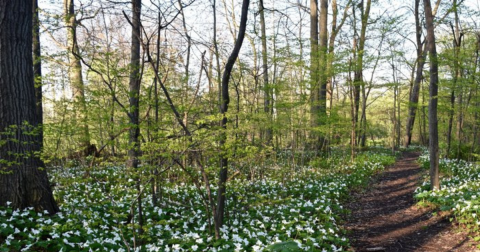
<point>386,218</point>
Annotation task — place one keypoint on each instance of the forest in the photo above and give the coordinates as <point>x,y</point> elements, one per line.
<point>238,125</point>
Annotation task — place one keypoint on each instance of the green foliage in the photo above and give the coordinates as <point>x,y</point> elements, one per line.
<point>23,138</point>
<point>459,193</point>
<point>268,214</point>
<point>284,247</point>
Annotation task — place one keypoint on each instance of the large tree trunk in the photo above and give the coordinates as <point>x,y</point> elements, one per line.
<point>219,214</point>
<point>23,178</point>
<point>75,75</point>
<point>432,106</point>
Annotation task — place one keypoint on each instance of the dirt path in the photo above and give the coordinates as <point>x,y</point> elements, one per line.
<point>386,218</point>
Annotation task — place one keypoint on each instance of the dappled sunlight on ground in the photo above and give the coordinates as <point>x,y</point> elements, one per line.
<point>386,217</point>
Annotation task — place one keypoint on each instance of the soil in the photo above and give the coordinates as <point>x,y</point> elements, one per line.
<point>386,217</point>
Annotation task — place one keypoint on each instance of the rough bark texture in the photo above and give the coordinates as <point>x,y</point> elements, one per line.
<point>22,180</point>
<point>432,106</point>
<point>219,217</point>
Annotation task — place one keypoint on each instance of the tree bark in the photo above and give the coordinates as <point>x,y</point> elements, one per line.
<point>75,75</point>
<point>37,65</point>
<point>414,95</point>
<point>217,53</point>
<point>458,34</point>
<point>266,84</point>
<point>23,178</point>
<point>358,77</point>
<point>134,86</point>
<point>220,212</point>
<point>134,101</point>
<point>323,50</point>
<point>433,103</point>
<point>314,70</point>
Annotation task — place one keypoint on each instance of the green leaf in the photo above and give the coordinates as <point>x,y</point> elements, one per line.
<point>284,247</point>
<point>445,208</point>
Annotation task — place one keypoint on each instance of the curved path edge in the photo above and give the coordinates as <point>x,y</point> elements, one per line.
<point>386,217</point>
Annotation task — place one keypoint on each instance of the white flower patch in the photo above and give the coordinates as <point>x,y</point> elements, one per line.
<point>96,213</point>
<point>458,192</point>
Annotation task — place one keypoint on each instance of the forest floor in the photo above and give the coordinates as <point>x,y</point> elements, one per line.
<point>386,217</point>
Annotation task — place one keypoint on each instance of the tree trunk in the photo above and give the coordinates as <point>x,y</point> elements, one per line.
<point>358,77</point>
<point>314,70</point>
<point>37,65</point>
<point>451,113</point>
<point>23,179</point>
<point>219,214</point>
<point>266,85</point>
<point>457,34</point>
<point>134,86</point>
<point>331,53</point>
<point>217,53</point>
<point>477,103</point>
<point>75,75</point>
<point>414,95</point>
<point>432,106</point>
<point>399,109</point>
<point>322,49</point>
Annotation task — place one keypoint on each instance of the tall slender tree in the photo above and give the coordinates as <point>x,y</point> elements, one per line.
<point>322,52</point>
<point>23,180</point>
<point>75,75</point>
<point>266,85</point>
<point>359,84</point>
<point>433,103</point>
<point>220,211</point>
<point>458,76</point>
<point>134,101</point>
<point>414,93</point>
<point>314,69</point>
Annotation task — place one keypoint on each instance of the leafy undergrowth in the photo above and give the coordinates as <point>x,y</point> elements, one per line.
<point>265,215</point>
<point>459,192</point>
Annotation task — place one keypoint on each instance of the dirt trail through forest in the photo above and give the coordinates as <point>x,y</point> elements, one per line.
<point>386,218</point>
